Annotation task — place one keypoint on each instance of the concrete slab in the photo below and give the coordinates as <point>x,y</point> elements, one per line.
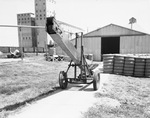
<point>69,103</point>
<point>65,104</point>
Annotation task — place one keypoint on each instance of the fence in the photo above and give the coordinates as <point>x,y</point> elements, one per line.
<point>24,49</point>
<point>127,65</point>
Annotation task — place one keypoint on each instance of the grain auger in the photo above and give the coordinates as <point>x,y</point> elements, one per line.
<point>88,73</point>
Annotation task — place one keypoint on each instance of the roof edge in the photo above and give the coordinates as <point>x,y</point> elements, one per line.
<point>117,26</point>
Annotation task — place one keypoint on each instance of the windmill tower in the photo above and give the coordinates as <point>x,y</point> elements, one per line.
<point>131,21</point>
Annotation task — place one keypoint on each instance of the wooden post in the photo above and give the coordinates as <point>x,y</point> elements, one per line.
<point>21,43</point>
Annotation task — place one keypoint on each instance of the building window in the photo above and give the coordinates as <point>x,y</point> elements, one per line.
<point>40,18</point>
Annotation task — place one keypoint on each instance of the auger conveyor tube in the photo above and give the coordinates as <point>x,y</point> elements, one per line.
<point>62,40</point>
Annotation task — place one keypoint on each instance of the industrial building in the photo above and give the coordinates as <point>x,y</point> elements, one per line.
<point>43,9</point>
<point>38,37</point>
<point>113,39</point>
<point>27,37</point>
<point>35,37</point>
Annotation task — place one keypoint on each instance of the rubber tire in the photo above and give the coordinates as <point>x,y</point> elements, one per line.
<point>139,64</point>
<point>129,58</point>
<point>96,81</point>
<point>139,67</point>
<point>63,81</point>
<point>118,68</point>
<point>108,67</point>
<point>119,58</point>
<point>119,62</point>
<point>140,60</point>
<point>129,62</point>
<point>110,71</point>
<point>118,71</point>
<point>147,75</point>
<point>129,66</point>
<point>128,69</point>
<point>147,60</point>
<point>118,65</point>
<point>127,72</point>
<point>108,64</point>
<point>108,61</point>
<point>147,70</point>
<point>139,70</point>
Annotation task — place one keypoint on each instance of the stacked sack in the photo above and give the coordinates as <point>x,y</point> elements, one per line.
<point>118,65</point>
<point>147,67</point>
<point>128,66</point>
<point>108,63</point>
<point>139,67</point>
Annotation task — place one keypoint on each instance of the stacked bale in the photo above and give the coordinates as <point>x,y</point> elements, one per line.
<point>118,64</point>
<point>108,63</point>
<point>147,67</point>
<point>139,68</point>
<point>128,66</point>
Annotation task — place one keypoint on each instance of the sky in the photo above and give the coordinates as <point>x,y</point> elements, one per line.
<point>86,14</point>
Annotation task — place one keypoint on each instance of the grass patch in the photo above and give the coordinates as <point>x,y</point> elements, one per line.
<point>132,93</point>
<point>12,89</point>
<point>25,80</point>
<point>124,111</point>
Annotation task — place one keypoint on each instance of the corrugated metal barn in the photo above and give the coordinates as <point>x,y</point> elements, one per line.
<point>113,39</point>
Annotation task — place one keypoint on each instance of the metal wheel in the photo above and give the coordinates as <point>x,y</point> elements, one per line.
<point>96,81</point>
<point>63,82</point>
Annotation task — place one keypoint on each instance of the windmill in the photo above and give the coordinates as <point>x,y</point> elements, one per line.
<point>131,21</point>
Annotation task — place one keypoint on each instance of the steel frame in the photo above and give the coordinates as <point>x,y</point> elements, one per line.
<point>85,76</point>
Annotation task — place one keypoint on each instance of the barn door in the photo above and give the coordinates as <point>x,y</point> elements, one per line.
<point>110,45</point>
